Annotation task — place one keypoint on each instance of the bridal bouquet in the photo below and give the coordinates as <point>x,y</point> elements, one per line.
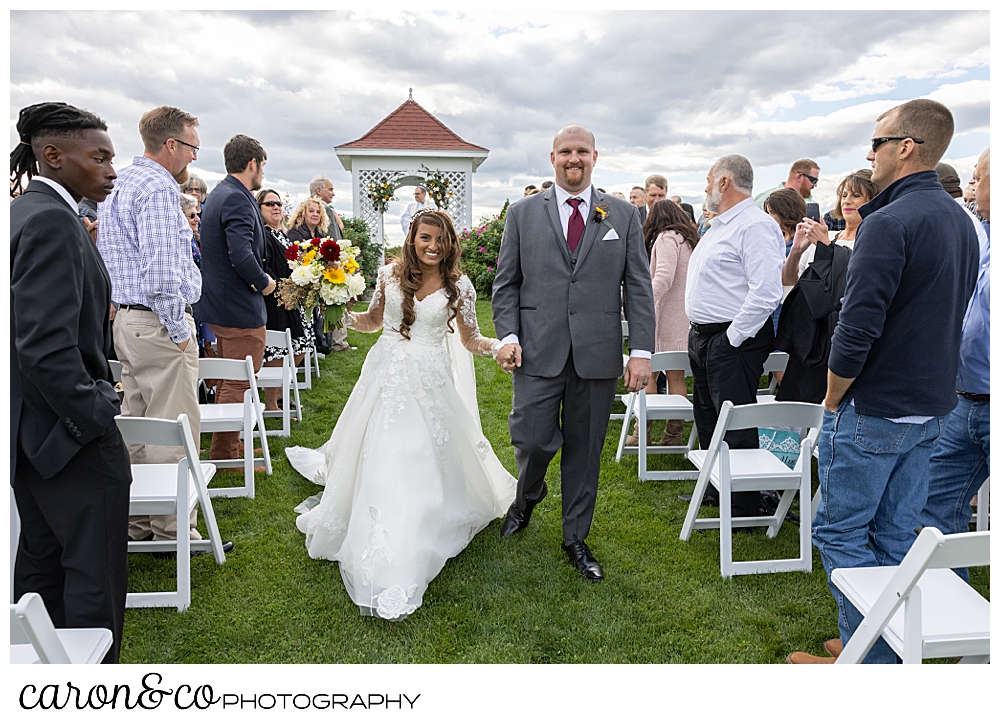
<point>325,273</point>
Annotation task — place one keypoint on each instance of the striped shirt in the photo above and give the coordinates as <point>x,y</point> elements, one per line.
<point>146,245</point>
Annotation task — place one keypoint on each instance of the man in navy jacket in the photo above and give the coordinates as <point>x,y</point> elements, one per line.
<point>894,354</point>
<point>232,269</point>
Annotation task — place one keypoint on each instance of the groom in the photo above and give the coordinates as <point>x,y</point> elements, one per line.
<point>566,255</point>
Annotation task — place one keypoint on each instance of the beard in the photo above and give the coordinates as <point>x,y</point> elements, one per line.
<point>182,176</point>
<point>713,199</point>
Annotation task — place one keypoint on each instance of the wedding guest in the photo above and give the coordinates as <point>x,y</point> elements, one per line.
<point>733,285</point>
<point>146,244</point>
<point>854,191</point>
<point>309,221</point>
<point>960,462</point>
<point>656,189</point>
<point>637,196</point>
<point>69,466</point>
<point>322,188</point>
<point>670,238</point>
<point>949,179</point>
<point>419,202</point>
<point>530,189</point>
<point>703,222</point>
<point>190,208</point>
<point>894,354</point>
<point>619,194</point>
<point>232,249</point>
<point>803,176</point>
<point>279,318</point>
<point>194,186</point>
<point>788,209</point>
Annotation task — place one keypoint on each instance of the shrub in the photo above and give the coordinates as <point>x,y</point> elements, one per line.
<point>480,248</point>
<point>358,232</point>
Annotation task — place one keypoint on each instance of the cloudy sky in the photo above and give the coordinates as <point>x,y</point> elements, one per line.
<point>664,91</point>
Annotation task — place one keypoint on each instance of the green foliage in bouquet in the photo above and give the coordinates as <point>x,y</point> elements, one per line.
<point>480,248</point>
<point>358,232</point>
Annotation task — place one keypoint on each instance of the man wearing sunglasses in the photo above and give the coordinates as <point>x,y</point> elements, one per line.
<point>894,354</point>
<point>803,177</point>
<point>145,242</point>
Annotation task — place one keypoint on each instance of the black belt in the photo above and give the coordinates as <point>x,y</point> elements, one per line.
<point>144,308</point>
<point>974,397</point>
<point>713,328</point>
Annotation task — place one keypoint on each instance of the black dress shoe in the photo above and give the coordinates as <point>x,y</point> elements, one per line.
<point>581,557</point>
<point>517,520</point>
<point>710,500</point>
<point>227,547</point>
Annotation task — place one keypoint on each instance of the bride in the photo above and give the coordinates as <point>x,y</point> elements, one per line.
<point>409,476</point>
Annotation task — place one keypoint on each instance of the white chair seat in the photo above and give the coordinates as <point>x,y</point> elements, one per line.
<point>953,613</point>
<point>83,646</point>
<point>270,374</point>
<point>220,414</point>
<point>667,403</point>
<point>155,486</point>
<point>759,467</point>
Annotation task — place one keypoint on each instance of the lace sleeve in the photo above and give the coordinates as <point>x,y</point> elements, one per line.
<point>370,321</point>
<point>468,327</point>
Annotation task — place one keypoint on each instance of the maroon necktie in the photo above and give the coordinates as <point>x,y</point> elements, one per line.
<point>575,228</point>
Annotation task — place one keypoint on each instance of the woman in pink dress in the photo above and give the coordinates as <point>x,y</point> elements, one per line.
<point>670,238</point>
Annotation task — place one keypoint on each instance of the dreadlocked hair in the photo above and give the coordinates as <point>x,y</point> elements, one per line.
<point>44,120</point>
<point>407,267</point>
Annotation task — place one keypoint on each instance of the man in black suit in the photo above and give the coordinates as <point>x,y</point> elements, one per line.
<point>69,465</point>
<point>232,270</point>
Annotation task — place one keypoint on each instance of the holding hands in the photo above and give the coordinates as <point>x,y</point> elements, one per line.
<point>509,357</point>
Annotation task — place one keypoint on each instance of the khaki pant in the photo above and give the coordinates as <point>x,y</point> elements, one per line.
<point>158,380</point>
<point>235,343</point>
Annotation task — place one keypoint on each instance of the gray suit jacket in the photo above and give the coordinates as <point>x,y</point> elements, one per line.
<point>554,301</point>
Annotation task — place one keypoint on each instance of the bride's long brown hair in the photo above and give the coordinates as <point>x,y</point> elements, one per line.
<point>407,268</point>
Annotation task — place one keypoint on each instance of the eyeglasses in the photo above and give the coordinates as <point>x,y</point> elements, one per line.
<point>271,203</point>
<point>192,215</point>
<point>185,143</point>
<point>876,142</point>
<point>813,179</point>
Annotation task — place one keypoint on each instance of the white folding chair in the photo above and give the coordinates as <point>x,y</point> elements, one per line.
<point>284,377</point>
<point>982,514</point>
<point>751,470</point>
<point>306,370</point>
<point>34,640</point>
<point>170,489</point>
<point>644,407</point>
<point>116,370</point>
<point>621,398</point>
<point>922,609</point>
<point>242,417</point>
<point>775,362</point>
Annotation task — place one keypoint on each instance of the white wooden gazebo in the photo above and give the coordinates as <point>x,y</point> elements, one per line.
<point>401,142</point>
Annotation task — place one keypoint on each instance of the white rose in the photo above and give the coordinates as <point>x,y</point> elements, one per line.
<point>393,602</point>
<point>303,276</point>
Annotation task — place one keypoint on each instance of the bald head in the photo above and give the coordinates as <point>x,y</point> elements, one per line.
<point>571,131</point>
<point>982,176</point>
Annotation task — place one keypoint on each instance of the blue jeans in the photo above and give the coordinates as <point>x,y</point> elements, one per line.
<point>959,465</point>
<point>873,477</point>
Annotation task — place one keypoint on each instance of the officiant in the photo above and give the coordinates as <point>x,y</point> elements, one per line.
<point>419,202</point>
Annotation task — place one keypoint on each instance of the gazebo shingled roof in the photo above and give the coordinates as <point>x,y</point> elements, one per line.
<point>411,126</point>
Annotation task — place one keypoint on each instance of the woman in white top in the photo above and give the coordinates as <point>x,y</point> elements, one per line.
<point>854,191</point>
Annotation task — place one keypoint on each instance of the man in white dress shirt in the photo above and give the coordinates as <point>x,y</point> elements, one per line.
<point>420,202</point>
<point>733,286</point>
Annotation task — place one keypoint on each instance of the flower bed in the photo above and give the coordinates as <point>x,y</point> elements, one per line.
<point>480,248</point>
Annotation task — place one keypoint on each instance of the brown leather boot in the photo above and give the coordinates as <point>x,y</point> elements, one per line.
<point>833,647</point>
<point>801,657</point>
<point>673,434</point>
<point>633,439</point>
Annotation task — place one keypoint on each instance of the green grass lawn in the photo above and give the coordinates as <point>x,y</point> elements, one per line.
<point>500,601</point>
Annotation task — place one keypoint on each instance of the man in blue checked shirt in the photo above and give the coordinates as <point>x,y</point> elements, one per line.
<point>145,243</point>
<point>961,458</point>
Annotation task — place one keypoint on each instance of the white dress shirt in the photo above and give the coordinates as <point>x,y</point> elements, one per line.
<point>412,208</point>
<point>565,211</point>
<point>60,189</point>
<point>734,274</point>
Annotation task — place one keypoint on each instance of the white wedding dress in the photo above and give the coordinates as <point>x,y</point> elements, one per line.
<point>409,476</point>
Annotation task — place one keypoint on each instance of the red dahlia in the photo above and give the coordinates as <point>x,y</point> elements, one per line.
<point>330,250</point>
<point>292,252</point>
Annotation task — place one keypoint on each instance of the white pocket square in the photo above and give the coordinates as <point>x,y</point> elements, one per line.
<point>611,236</point>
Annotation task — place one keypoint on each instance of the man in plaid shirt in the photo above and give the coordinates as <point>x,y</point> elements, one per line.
<point>146,245</point>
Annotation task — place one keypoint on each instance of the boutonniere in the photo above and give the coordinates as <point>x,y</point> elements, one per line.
<point>601,215</point>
